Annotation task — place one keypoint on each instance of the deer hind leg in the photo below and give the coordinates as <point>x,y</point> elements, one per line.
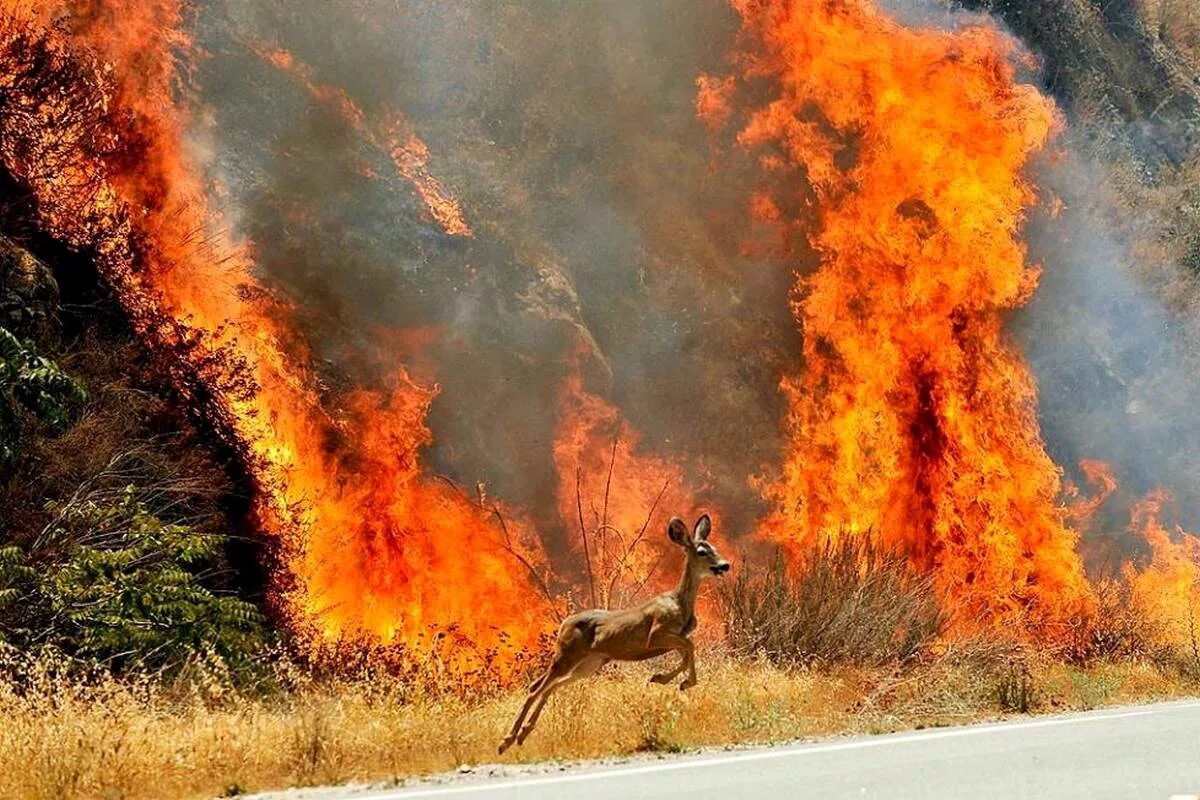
<point>583,669</point>
<point>534,689</point>
<point>667,677</point>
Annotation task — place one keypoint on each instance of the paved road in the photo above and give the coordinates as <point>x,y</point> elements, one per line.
<point>1141,753</point>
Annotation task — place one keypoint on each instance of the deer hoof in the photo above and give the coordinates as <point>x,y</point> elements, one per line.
<point>507,743</point>
<point>683,687</point>
<point>659,678</point>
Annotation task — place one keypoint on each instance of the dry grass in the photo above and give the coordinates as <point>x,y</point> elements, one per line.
<point>61,738</point>
<point>851,603</point>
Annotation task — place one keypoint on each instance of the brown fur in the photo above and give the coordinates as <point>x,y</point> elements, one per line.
<point>590,639</point>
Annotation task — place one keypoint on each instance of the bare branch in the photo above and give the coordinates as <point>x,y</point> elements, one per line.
<point>638,539</point>
<point>533,573</point>
<point>587,555</point>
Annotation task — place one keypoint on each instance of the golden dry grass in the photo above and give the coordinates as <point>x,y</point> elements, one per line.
<point>60,738</point>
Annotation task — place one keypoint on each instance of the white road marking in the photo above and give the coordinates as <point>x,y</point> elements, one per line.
<point>782,752</point>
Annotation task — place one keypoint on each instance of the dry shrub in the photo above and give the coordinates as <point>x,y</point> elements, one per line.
<point>1177,23</point>
<point>852,603</point>
<point>1121,628</point>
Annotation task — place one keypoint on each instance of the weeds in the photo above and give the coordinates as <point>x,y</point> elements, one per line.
<point>1014,688</point>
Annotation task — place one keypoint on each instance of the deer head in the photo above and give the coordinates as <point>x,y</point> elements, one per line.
<point>703,560</point>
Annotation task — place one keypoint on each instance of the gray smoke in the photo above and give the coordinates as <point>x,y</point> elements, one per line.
<point>568,132</point>
<point>1116,365</point>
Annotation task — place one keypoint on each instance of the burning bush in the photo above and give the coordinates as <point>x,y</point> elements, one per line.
<point>913,417</point>
<point>1122,628</point>
<point>853,602</point>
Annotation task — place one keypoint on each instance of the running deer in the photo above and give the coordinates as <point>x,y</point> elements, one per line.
<point>590,639</point>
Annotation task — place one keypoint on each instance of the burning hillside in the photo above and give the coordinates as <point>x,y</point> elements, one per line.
<point>372,547</point>
<point>424,301</point>
<point>913,417</point>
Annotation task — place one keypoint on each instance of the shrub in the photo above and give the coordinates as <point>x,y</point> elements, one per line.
<point>32,384</point>
<point>111,583</point>
<point>851,602</point>
<point>1121,628</point>
<point>1014,689</point>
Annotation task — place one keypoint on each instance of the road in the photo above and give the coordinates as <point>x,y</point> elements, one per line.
<point>1141,752</point>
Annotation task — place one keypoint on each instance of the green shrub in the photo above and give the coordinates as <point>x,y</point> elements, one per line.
<point>111,583</point>
<point>32,384</point>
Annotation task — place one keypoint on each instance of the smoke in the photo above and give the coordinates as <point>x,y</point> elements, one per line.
<point>1117,375</point>
<point>604,223</point>
<point>568,134</point>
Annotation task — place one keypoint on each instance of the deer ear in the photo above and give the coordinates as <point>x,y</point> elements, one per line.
<point>703,528</point>
<point>678,532</point>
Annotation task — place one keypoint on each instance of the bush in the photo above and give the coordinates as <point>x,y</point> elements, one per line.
<point>850,603</point>
<point>1121,628</point>
<point>32,384</point>
<point>1014,689</point>
<point>110,583</point>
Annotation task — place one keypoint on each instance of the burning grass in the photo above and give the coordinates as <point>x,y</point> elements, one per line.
<point>63,737</point>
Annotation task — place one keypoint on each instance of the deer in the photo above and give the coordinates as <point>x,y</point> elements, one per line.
<point>590,639</point>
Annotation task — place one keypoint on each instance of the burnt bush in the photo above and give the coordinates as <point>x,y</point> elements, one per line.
<point>851,602</point>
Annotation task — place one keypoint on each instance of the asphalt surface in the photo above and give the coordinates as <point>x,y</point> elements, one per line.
<point>1141,752</point>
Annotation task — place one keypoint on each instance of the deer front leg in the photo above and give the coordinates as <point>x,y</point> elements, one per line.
<point>690,657</point>
<point>687,652</point>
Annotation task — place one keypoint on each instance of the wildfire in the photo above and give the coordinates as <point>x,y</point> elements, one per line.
<point>1167,588</point>
<point>390,134</point>
<point>616,496</point>
<point>375,549</point>
<point>913,418</point>
<point>898,153</point>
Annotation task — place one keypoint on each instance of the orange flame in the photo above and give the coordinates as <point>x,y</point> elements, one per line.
<point>1167,589</point>
<point>913,418</point>
<point>391,135</point>
<point>377,551</point>
<point>1081,510</point>
<point>616,496</point>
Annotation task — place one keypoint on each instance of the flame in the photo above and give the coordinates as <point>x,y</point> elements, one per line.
<point>899,153</point>
<point>374,549</point>
<point>913,418</point>
<point>1167,588</point>
<point>390,134</point>
<point>615,496</point>
<point>1081,510</point>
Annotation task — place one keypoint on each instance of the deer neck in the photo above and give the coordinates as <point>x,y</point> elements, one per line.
<point>688,588</point>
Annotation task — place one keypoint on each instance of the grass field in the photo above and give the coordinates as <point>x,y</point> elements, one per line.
<point>66,738</point>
